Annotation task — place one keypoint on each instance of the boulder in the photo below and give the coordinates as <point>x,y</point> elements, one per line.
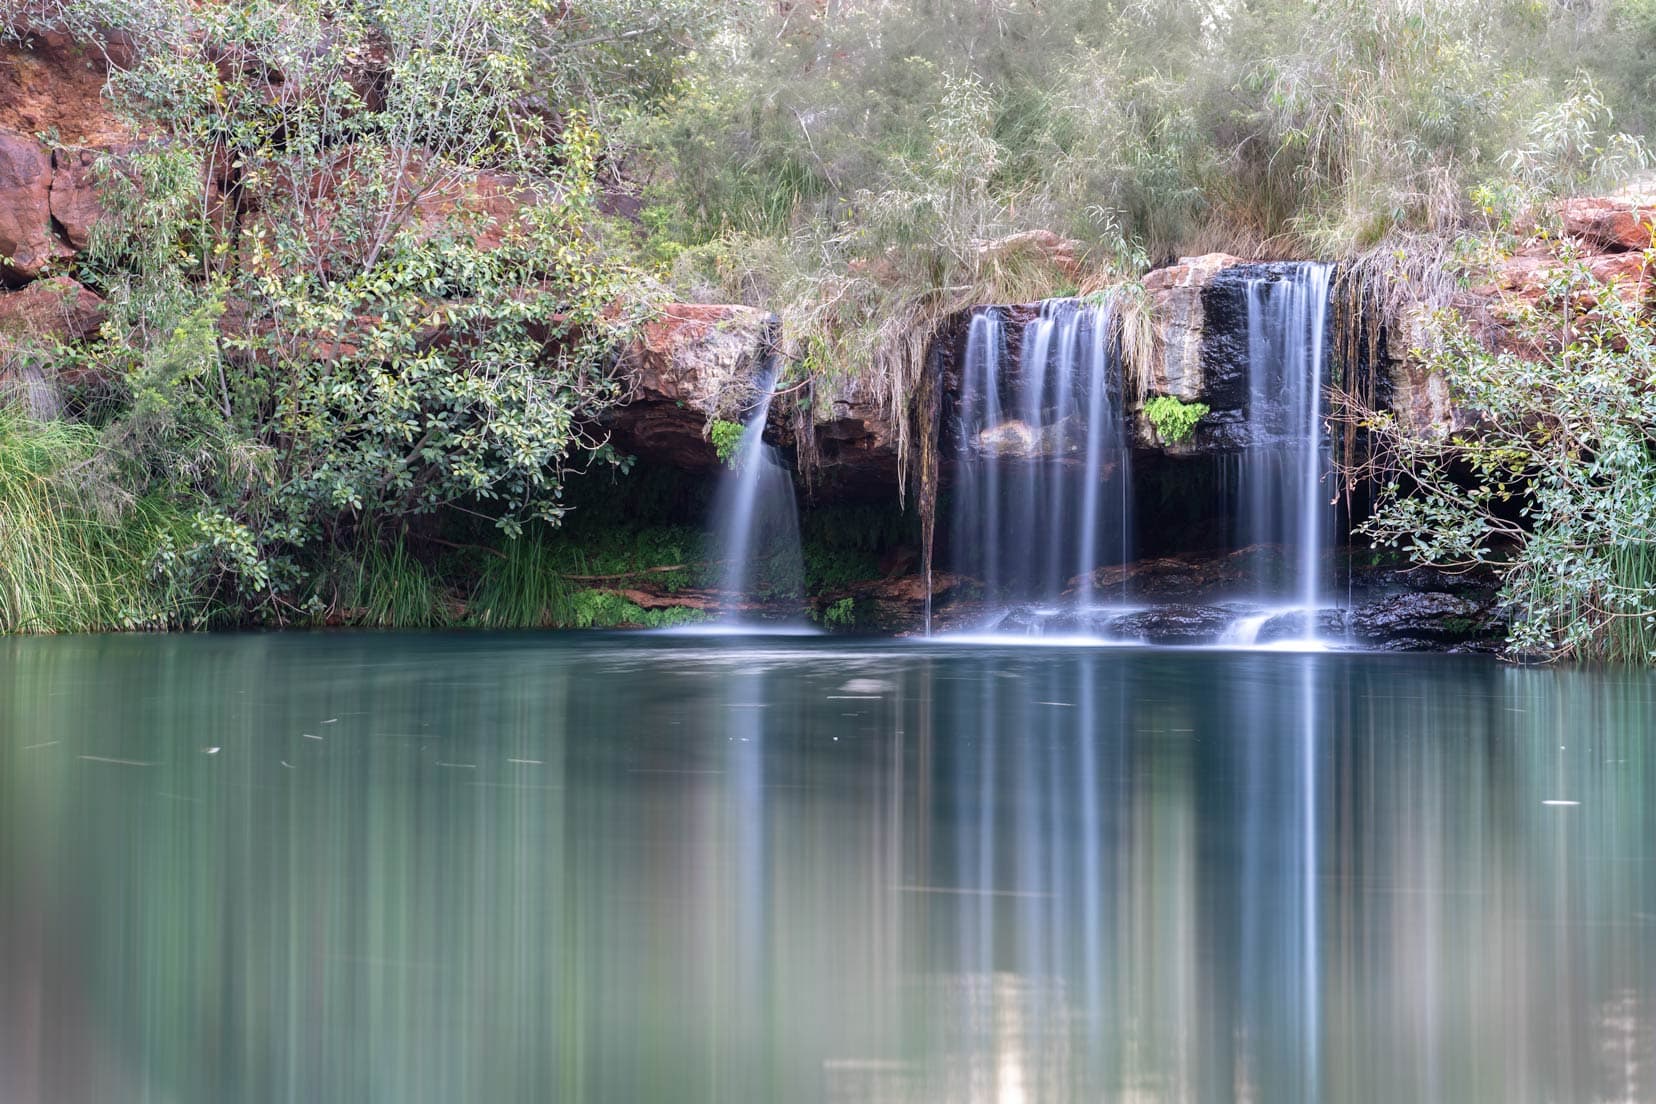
<point>32,321</point>
<point>58,309</point>
<point>1521,279</point>
<point>27,244</point>
<point>1323,624</point>
<point>74,202</point>
<point>1173,625</point>
<point>1611,223</point>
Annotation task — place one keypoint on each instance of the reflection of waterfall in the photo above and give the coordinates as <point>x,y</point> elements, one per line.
<point>757,520</point>
<point>1043,486</point>
<point>652,870</point>
<point>1285,489</point>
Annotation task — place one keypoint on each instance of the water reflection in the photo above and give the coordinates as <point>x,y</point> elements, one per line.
<point>432,868</point>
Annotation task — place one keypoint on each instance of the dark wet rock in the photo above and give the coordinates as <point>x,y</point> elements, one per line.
<point>1406,644</point>
<point>1322,624</point>
<point>1173,625</point>
<point>1417,621</point>
<point>896,604</point>
<point>1035,621</point>
<point>1189,580</point>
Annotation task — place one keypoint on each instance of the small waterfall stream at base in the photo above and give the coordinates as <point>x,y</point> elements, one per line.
<point>756,521</point>
<point>1043,492</point>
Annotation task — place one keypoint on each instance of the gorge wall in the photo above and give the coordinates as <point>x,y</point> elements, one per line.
<point>694,364</point>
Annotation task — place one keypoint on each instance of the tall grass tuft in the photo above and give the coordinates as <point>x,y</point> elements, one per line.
<point>387,588</point>
<point>64,566</point>
<point>522,588</point>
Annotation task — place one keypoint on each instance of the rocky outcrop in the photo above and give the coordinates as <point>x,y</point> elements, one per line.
<point>1183,333</point>
<point>691,364</point>
<point>28,245</point>
<point>52,84</point>
<point>1611,224</point>
<point>695,363</point>
<point>1061,254</point>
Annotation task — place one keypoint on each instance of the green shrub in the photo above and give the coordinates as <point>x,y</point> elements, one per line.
<point>1174,419</point>
<point>727,440</point>
<point>842,613</point>
<point>1549,480</point>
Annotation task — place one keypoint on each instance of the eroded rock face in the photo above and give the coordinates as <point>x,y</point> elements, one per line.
<point>27,244</point>
<point>854,438</point>
<point>52,84</point>
<point>694,363</point>
<point>1183,333</point>
<point>1201,352</point>
<point>691,364</point>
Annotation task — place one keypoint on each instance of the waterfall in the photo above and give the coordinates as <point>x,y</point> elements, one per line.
<point>1285,476</point>
<point>1042,490</point>
<point>757,520</point>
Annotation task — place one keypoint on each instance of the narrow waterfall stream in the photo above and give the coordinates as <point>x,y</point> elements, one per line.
<point>756,519</point>
<point>1043,481</point>
<point>1285,489</point>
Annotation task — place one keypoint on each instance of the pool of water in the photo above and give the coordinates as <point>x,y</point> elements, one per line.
<point>463,868</point>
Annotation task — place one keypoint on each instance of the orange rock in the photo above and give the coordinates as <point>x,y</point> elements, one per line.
<point>74,198</point>
<point>50,84</point>
<point>57,308</point>
<point>27,244</point>
<point>1610,223</point>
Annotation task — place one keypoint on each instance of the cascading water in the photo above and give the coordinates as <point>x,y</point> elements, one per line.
<point>1043,483</point>
<point>1285,489</point>
<point>757,520</point>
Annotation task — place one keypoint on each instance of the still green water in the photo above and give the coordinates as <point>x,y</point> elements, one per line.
<point>462,868</point>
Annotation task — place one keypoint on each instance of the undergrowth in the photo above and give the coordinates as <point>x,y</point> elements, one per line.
<point>66,566</point>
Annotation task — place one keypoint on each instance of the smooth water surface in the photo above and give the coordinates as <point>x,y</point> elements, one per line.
<point>464,868</point>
